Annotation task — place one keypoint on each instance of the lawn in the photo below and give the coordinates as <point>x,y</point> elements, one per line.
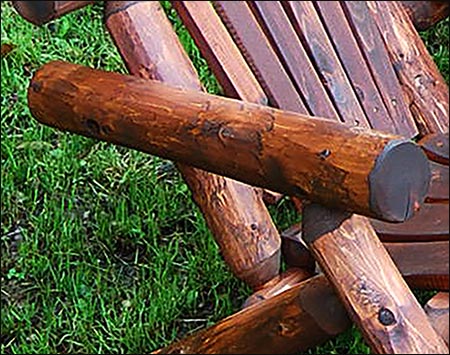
<point>102,247</point>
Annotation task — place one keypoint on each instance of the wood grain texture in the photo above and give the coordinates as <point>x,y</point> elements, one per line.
<point>430,223</point>
<point>281,34</point>
<point>425,14</point>
<point>378,59</point>
<point>437,309</point>
<point>286,152</point>
<point>421,79</point>
<point>368,283</point>
<point>234,212</point>
<point>436,147</point>
<point>311,32</point>
<point>220,51</point>
<point>262,59</point>
<point>347,48</point>
<point>41,12</point>
<point>133,26</point>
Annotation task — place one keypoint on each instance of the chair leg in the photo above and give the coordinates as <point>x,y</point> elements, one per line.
<point>368,283</point>
<point>234,212</point>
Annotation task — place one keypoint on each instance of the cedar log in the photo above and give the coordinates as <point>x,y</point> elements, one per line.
<point>41,12</point>
<point>293,321</point>
<point>234,212</point>
<point>304,315</point>
<point>368,283</point>
<point>370,173</point>
<point>246,23</point>
<point>425,14</point>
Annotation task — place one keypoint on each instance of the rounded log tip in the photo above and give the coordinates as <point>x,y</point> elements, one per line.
<point>36,12</point>
<point>112,7</point>
<point>399,181</point>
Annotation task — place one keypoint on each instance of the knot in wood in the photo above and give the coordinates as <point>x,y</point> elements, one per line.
<point>386,317</point>
<point>324,154</point>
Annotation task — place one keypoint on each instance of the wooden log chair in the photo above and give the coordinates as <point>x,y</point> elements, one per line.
<point>324,102</point>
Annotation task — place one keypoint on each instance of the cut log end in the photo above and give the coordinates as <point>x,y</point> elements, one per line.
<point>112,7</point>
<point>399,181</point>
<point>42,12</point>
<point>36,12</point>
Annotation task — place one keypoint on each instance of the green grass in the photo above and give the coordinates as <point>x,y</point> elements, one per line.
<point>103,250</point>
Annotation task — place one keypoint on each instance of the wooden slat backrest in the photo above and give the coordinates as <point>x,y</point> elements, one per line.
<point>258,52</point>
<point>221,53</point>
<point>274,20</point>
<point>376,55</point>
<point>358,71</point>
<point>309,27</point>
<point>327,59</point>
<point>420,78</point>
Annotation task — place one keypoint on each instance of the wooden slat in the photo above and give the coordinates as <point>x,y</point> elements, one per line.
<point>314,37</point>
<point>423,265</point>
<point>439,185</point>
<point>355,65</point>
<point>431,223</point>
<point>414,66</point>
<point>220,51</point>
<point>258,52</point>
<point>436,147</point>
<point>294,251</point>
<point>284,40</point>
<point>378,59</point>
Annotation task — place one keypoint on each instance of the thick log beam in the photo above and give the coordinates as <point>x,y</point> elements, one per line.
<point>41,12</point>
<point>425,14</point>
<point>235,213</point>
<point>368,283</point>
<point>303,315</point>
<point>370,173</point>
